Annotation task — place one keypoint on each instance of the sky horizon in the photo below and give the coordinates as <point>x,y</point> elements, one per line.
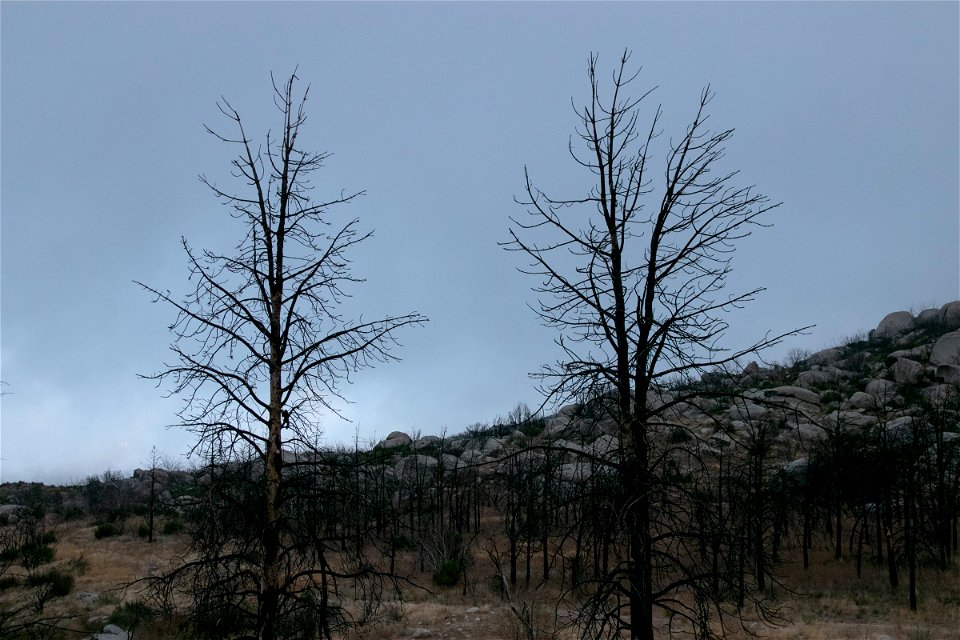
<point>848,113</point>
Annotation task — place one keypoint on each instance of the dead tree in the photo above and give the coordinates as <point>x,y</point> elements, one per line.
<point>632,276</point>
<point>260,348</point>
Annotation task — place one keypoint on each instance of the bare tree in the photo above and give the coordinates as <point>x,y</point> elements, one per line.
<point>261,349</point>
<point>632,276</point>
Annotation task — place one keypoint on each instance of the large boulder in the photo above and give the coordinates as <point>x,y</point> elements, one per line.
<point>395,439</point>
<point>796,469</point>
<point>450,462</point>
<point>470,456</point>
<point>949,374</point>
<point>919,354</point>
<point>576,471</point>
<point>558,425</point>
<point>810,432</point>
<point>814,377</point>
<point>907,371</point>
<point>848,420</point>
<point>412,466</point>
<point>111,632</point>
<point>821,376</point>
<point>747,411</point>
<point>826,356</point>
<point>882,389</point>
<point>950,314</point>
<point>604,446</point>
<point>492,446</point>
<point>894,324</point>
<point>426,441</point>
<point>930,318</point>
<point>947,349</point>
<point>938,394</point>
<point>900,430</point>
<point>804,395</point>
<point>861,400</point>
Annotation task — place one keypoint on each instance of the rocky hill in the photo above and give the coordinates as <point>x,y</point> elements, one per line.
<point>879,378</point>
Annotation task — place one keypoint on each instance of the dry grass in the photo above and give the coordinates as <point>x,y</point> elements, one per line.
<point>826,602</point>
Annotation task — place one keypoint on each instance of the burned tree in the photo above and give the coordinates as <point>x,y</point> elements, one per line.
<point>260,347</point>
<point>632,276</point>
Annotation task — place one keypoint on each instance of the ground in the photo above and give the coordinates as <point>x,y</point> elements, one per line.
<point>827,602</point>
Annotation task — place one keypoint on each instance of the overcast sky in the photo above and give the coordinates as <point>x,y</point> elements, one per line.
<point>846,112</point>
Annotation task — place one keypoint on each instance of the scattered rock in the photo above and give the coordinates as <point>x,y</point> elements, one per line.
<point>473,610</point>
<point>12,513</point>
<point>420,632</point>
<point>87,598</point>
<point>111,632</point>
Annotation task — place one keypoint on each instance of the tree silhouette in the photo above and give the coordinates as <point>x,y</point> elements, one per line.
<point>632,276</point>
<point>261,349</point>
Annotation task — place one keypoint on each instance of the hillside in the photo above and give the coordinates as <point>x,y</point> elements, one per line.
<point>820,496</point>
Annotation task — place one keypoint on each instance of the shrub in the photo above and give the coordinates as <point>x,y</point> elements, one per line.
<point>9,554</point>
<point>171,527</point>
<point>143,531</point>
<point>106,530</point>
<point>35,555</point>
<point>73,513</point>
<point>448,575</point>
<point>130,615</point>
<point>8,582</point>
<point>58,582</point>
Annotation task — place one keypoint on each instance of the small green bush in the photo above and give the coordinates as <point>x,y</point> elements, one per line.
<point>130,615</point>
<point>105,530</point>
<point>448,575</point>
<point>171,527</point>
<point>73,513</point>
<point>401,542</point>
<point>36,554</point>
<point>143,531</point>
